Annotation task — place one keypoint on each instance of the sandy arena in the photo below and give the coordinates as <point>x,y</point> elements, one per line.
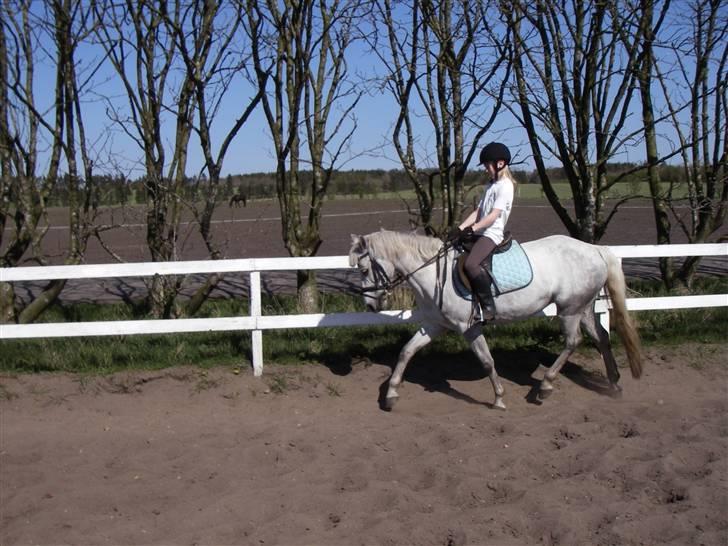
<point>305,456</point>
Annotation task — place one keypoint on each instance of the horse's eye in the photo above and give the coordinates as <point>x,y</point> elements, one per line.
<point>364,271</point>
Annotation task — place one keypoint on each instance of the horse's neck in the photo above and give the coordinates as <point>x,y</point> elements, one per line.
<point>408,263</point>
<point>403,259</point>
<point>422,279</point>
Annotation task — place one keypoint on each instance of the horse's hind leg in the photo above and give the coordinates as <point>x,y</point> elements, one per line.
<point>481,350</point>
<point>570,329</point>
<point>601,337</point>
<point>422,337</point>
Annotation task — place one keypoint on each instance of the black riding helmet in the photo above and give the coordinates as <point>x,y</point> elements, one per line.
<point>495,151</point>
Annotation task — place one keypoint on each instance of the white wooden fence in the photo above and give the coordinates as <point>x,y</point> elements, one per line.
<point>256,322</point>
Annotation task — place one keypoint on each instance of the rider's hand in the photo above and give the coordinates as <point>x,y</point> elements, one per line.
<point>466,234</point>
<point>453,234</point>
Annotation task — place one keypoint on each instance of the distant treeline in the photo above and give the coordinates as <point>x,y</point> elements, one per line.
<point>121,191</point>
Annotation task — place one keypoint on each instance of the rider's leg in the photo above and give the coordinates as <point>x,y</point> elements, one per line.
<point>479,278</point>
<point>481,288</point>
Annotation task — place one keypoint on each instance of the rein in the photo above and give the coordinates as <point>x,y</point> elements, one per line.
<point>382,280</point>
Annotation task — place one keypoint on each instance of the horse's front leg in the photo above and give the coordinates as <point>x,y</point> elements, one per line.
<point>480,347</point>
<point>422,337</point>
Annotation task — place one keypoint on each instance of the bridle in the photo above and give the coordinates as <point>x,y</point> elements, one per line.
<point>382,281</point>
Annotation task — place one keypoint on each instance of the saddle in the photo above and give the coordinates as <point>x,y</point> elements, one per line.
<point>508,266</point>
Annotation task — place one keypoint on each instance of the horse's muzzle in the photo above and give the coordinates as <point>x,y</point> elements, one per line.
<point>376,304</point>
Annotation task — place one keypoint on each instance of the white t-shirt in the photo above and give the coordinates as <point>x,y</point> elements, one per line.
<point>497,195</point>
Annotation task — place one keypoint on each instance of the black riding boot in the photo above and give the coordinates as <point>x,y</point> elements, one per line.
<point>481,288</point>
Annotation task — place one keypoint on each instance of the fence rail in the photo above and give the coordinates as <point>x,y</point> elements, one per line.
<point>256,322</point>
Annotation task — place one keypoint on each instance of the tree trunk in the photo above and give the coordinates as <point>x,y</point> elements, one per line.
<point>659,206</point>
<point>307,291</point>
<point>201,295</point>
<point>7,303</point>
<point>41,302</point>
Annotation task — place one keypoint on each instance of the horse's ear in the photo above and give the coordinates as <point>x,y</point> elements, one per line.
<point>358,242</point>
<point>358,247</point>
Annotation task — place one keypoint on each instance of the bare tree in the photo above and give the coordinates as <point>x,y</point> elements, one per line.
<point>693,59</point>
<point>208,37</point>
<point>299,54</point>
<point>141,51</point>
<point>24,127</point>
<point>575,82</point>
<point>23,199</point>
<point>449,62</point>
<point>177,61</point>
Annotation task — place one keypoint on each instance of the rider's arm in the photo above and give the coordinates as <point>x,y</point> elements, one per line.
<point>470,220</point>
<point>486,222</point>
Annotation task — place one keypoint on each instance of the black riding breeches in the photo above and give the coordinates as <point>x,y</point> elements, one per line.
<point>481,250</point>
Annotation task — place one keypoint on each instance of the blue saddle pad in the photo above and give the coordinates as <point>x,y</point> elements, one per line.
<point>511,271</point>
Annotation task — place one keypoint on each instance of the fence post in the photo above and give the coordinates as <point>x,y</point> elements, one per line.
<point>257,335</point>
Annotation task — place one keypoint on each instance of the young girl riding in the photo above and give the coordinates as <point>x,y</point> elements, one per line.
<point>486,224</point>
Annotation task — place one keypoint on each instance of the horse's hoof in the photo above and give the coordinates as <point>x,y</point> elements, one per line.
<point>389,403</point>
<point>543,394</point>
<point>616,392</point>
<point>499,405</point>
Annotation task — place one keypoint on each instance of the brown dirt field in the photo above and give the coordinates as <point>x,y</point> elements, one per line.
<point>305,456</point>
<point>254,232</point>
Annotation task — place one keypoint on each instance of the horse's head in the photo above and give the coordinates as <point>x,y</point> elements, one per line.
<point>376,273</point>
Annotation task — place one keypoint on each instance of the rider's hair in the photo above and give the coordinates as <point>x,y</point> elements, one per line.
<point>505,172</point>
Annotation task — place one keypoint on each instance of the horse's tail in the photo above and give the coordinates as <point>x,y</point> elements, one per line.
<point>626,328</point>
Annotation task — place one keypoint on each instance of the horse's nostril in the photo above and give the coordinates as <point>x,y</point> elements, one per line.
<point>374,304</point>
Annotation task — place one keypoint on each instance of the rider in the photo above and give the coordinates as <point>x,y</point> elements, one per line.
<point>487,222</point>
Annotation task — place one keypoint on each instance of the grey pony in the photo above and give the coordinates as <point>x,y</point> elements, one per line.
<point>566,272</point>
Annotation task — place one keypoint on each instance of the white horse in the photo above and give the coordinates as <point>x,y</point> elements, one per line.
<point>566,272</point>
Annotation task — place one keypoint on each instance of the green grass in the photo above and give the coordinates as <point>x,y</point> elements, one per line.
<point>337,348</point>
<point>535,192</point>
<point>632,189</point>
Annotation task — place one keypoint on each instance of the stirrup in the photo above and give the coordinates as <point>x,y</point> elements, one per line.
<point>479,314</point>
<point>486,316</point>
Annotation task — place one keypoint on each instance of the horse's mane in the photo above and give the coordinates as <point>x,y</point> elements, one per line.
<point>392,245</point>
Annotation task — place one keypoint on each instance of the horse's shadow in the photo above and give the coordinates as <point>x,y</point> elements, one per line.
<point>434,371</point>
